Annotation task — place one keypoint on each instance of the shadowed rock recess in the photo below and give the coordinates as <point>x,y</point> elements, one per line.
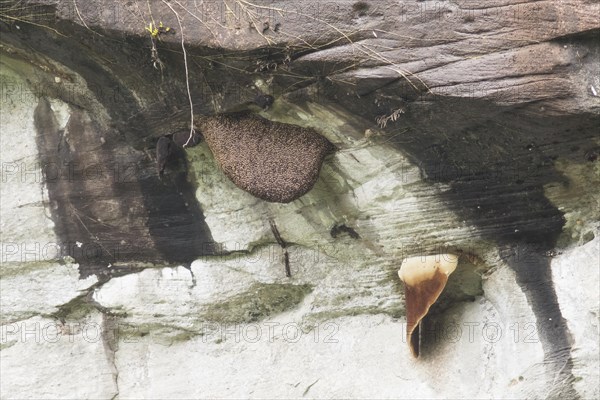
<point>366,132</point>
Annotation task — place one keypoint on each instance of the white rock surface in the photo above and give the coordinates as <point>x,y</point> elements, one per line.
<point>45,359</point>
<point>39,288</point>
<point>174,297</point>
<point>485,348</point>
<point>350,357</point>
<point>27,230</point>
<point>576,275</point>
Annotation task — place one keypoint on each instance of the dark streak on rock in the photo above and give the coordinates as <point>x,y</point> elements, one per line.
<point>286,261</point>
<point>534,276</point>
<point>485,154</point>
<point>337,229</point>
<point>109,199</point>
<point>175,220</point>
<point>163,151</point>
<point>107,194</point>
<point>484,175</point>
<point>283,244</point>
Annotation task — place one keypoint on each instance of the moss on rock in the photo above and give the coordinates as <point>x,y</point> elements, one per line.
<point>260,301</point>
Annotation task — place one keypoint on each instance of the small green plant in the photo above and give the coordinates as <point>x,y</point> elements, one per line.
<point>155,32</point>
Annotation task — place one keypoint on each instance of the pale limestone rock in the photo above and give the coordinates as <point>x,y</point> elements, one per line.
<point>576,275</point>
<point>175,298</point>
<point>43,358</point>
<point>27,230</point>
<point>41,288</point>
<point>347,357</point>
<point>35,280</point>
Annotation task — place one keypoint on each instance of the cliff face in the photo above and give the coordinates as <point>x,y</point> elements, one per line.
<point>459,127</point>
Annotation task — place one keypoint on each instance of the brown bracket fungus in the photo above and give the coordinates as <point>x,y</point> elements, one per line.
<point>273,161</point>
<point>424,278</point>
